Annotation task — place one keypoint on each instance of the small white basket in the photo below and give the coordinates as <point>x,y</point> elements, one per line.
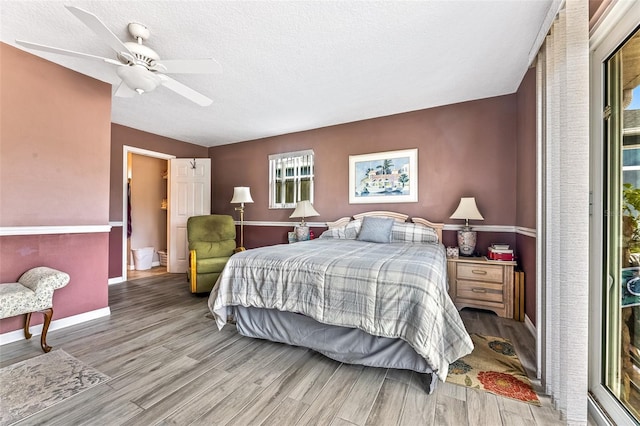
<point>162,256</point>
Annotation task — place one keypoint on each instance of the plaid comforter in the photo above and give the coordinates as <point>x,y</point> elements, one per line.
<point>394,290</point>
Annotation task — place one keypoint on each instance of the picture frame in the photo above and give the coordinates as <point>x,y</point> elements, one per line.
<point>384,177</point>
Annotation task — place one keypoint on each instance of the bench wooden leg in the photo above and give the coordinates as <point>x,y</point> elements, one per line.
<point>27,320</point>
<point>48,313</point>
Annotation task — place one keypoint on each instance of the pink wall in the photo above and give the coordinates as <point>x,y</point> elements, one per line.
<point>121,136</point>
<point>55,143</point>
<point>483,148</point>
<point>466,149</point>
<point>82,256</point>
<point>526,187</point>
<point>54,170</point>
<point>115,252</point>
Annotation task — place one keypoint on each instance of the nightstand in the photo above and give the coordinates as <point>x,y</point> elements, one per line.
<point>476,282</point>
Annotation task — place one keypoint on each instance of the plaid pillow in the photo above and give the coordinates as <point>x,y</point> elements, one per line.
<point>333,233</point>
<point>352,229</point>
<point>347,232</point>
<point>413,233</point>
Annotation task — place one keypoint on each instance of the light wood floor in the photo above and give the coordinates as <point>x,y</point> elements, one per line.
<point>169,364</point>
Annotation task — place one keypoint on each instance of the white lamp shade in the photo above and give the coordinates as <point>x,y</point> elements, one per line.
<point>467,209</point>
<point>241,194</point>
<point>304,209</point>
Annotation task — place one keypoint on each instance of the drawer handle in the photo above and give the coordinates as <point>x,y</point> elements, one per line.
<point>479,271</point>
<point>478,290</point>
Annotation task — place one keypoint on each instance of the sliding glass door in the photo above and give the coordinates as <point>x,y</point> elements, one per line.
<point>620,357</point>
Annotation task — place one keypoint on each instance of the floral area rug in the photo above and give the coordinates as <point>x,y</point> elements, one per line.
<point>493,366</point>
<point>35,384</point>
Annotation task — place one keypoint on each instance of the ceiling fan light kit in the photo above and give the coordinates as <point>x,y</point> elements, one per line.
<point>138,66</point>
<point>138,78</point>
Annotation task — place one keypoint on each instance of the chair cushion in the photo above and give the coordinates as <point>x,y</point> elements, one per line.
<point>212,264</point>
<point>212,249</point>
<point>33,292</point>
<point>214,227</point>
<point>16,299</point>
<point>205,282</point>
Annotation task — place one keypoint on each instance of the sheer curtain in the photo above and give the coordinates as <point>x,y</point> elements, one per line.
<point>562,68</point>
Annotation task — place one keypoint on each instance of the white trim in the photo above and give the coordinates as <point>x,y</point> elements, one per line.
<point>532,329</point>
<point>481,228</point>
<point>36,330</point>
<point>140,151</point>
<point>126,149</point>
<point>116,280</point>
<point>529,232</point>
<point>608,28</point>
<point>552,12</point>
<point>116,224</point>
<point>447,227</point>
<point>50,230</point>
<point>301,153</point>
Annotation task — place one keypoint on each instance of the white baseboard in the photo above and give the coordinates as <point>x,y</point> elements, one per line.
<point>36,330</point>
<point>116,280</point>
<point>530,326</point>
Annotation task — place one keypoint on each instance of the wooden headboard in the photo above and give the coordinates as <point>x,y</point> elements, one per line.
<point>400,217</point>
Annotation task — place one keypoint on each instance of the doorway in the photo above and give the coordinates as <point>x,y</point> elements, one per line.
<point>145,225</point>
<point>147,216</point>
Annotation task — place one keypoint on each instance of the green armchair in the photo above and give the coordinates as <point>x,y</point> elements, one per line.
<point>212,241</point>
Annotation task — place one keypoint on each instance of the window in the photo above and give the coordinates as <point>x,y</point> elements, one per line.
<point>621,259</point>
<point>290,179</point>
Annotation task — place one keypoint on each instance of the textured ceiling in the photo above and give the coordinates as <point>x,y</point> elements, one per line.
<point>296,65</point>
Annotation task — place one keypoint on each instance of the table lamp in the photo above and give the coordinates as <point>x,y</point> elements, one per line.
<point>303,209</point>
<point>466,210</point>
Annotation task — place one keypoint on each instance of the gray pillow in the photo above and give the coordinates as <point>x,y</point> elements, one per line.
<point>376,229</point>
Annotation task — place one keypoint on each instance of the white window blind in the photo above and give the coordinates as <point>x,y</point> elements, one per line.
<point>290,178</point>
<point>563,106</point>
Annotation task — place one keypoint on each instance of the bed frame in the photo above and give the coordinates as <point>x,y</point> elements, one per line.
<point>400,217</point>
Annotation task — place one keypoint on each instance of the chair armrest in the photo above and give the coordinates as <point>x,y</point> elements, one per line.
<point>193,274</point>
<point>44,278</point>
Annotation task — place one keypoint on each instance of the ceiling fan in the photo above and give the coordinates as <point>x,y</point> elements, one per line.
<point>139,66</point>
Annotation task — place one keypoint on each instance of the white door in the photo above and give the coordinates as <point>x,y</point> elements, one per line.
<point>189,195</point>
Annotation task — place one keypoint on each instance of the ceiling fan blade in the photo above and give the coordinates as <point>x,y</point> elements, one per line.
<point>124,91</point>
<point>190,66</point>
<point>50,49</point>
<point>185,91</point>
<point>96,25</point>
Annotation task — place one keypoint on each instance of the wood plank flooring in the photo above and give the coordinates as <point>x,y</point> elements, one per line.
<point>169,364</point>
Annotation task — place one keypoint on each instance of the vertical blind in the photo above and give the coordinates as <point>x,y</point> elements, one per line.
<point>563,108</point>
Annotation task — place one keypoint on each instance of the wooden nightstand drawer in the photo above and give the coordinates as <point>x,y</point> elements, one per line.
<point>480,291</point>
<point>481,283</point>
<point>480,272</point>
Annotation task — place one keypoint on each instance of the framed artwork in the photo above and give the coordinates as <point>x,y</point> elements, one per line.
<point>384,177</point>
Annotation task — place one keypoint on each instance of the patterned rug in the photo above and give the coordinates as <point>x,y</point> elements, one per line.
<point>493,366</point>
<point>38,383</point>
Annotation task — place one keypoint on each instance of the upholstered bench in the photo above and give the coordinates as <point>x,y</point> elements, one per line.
<point>32,293</point>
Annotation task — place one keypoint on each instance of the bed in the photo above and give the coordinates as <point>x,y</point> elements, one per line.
<point>372,290</point>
